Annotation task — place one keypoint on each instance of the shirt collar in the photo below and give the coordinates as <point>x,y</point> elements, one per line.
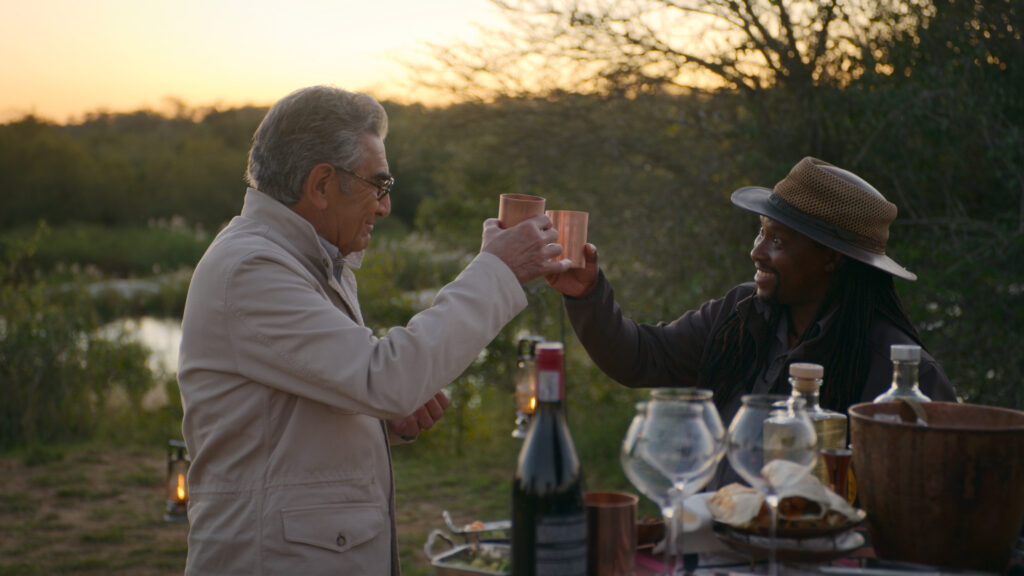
<point>353,260</point>
<point>815,330</point>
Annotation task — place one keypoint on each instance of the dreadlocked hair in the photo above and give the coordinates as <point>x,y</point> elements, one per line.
<point>857,293</point>
<point>734,356</point>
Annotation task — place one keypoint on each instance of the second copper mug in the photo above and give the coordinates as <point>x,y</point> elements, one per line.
<point>572,234</point>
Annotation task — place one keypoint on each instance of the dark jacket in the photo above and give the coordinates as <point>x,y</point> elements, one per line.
<point>674,353</point>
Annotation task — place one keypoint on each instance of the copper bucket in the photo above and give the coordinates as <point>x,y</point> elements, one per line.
<point>949,494</point>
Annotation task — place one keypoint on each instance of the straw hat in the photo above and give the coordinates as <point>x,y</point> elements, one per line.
<point>832,206</point>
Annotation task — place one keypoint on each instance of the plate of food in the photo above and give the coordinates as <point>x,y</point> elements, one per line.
<point>795,522</point>
<point>819,549</point>
<point>649,531</point>
<point>496,529</point>
<point>807,509</point>
<point>474,559</point>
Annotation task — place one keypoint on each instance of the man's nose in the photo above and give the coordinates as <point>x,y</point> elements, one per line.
<point>384,206</point>
<point>757,251</point>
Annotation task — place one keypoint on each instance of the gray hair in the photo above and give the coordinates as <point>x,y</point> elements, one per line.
<point>314,125</point>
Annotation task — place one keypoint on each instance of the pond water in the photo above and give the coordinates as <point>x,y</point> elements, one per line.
<point>162,336</point>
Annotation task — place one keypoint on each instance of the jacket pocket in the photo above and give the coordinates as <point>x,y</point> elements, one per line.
<point>334,527</point>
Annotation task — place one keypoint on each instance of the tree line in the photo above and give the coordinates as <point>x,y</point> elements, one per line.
<point>628,111</point>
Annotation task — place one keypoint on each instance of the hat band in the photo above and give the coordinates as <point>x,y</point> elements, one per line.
<point>823,227</point>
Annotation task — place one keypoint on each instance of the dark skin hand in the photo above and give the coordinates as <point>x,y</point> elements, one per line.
<point>577,282</point>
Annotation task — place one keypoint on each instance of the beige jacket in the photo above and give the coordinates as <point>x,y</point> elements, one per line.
<point>285,393</point>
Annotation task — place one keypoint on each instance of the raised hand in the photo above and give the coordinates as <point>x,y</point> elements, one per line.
<point>526,248</point>
<point>577,282</point>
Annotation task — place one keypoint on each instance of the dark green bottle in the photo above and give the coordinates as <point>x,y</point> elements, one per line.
<point>549,530</point>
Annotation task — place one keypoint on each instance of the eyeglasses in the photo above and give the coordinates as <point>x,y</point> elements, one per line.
<point>383,188</point>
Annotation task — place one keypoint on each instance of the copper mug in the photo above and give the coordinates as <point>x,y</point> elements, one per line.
<point>572,234</point>
<point>514,208</point>
<point>611,533</point>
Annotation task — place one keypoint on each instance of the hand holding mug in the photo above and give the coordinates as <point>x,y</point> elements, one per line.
<point>577,282</point>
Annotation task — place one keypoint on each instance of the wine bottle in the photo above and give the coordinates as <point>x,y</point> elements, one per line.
<point>549,531</point>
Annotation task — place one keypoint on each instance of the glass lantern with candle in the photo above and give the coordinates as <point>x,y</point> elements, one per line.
<point>526,386</point>
<point>177,487</point>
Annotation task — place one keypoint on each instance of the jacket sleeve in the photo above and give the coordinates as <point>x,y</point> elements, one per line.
<point>930,376</point>
<point>287,334</point>
<point>642,355</point>
<point>933,381</point>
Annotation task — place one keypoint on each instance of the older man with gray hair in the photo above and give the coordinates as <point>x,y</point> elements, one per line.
<point>290,400</point>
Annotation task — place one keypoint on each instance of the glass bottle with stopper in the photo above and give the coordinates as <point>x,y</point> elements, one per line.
<point>906,359</point>
<point>806,380</point>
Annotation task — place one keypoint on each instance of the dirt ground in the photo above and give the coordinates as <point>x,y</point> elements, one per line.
<point>101,511</point>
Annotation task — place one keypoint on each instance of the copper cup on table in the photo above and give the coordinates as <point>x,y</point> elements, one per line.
<point>514,208</point>
<point>611,533</point>
<point>572,234</point>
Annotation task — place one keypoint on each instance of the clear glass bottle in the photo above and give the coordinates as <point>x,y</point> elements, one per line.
<point>806,379</point>
<point>905,361</point>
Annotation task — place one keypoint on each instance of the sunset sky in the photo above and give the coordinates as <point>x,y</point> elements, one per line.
<point>62,58</point>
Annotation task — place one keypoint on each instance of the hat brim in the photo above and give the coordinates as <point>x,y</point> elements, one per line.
<point>755,199</point>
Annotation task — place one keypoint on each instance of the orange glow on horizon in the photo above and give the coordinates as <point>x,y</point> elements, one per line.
<point>65,58</point>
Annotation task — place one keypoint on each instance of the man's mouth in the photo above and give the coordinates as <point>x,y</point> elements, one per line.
<point>763,276</point>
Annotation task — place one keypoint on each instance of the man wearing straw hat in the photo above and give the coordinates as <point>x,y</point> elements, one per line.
<point>823,292</point>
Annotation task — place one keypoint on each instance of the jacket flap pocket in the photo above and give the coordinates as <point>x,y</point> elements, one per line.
<point>336,527</point>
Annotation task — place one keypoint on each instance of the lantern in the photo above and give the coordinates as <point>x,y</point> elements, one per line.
<point>177,485</point>
<point>526,386</point>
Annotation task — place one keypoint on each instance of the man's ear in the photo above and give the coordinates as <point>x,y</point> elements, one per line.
<point>320,181</point>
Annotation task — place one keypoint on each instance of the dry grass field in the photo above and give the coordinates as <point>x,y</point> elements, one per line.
<point>100,510</point>
<point>87,510</point>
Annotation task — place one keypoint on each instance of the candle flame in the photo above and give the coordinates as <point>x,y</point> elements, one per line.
<point>181,487</point>
<point>533,403</point>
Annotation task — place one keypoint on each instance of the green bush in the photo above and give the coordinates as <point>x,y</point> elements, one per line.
<point>59,380</point>
<point>161,246</point>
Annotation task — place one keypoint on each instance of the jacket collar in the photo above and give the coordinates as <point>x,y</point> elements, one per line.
<point>294,232</point>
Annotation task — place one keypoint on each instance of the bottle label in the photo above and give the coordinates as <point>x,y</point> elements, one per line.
<point>548,386</point>
<point>561,545</point>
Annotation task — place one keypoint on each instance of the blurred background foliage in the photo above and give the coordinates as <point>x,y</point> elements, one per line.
<point>647,114</point>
